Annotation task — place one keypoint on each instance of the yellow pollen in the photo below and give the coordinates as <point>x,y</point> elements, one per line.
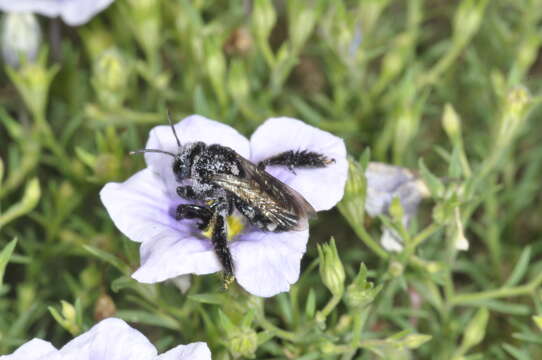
<point>234,227</point>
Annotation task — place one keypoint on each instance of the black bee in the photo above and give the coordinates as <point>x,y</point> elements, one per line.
<point>221,181</point>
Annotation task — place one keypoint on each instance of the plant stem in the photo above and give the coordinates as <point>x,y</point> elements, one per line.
<point>497,293</point>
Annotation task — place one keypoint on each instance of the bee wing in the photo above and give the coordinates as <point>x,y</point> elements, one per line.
<point>277,201</point>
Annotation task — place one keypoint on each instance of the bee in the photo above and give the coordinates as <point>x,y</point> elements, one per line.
<point>220,181</point>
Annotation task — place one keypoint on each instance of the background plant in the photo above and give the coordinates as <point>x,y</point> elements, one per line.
<point>447,88</point>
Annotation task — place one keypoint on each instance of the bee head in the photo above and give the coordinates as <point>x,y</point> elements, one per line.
<point>181,167</point>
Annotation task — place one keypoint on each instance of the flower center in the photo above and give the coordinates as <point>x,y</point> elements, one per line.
<point>235,226</point>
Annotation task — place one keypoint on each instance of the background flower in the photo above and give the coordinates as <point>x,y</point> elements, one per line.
<point>73,12</point>
<point>20,37</point>
<point>110,339</point>
<point>386,182</point>
<point>266,263</point>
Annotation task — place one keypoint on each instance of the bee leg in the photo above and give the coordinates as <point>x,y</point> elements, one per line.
<point>190,211</point>
<point>299,158</point>
<point>187,192</point>
<point>220,244</point>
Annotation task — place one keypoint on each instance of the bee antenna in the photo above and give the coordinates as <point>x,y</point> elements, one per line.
<point>173,128</point>
<point>151,150</point>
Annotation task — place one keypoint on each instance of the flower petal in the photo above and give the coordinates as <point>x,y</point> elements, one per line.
<point>191,129</point>
<point>384,182</point>
<point>35,349</point>
<point>141,208</point>
<point>175,254</point>
<point>391,240</point>
<point>110,339</point>
<point>193,351</point>
<point>72,12</point>
<point>321,187</point>
<point>267,263</point>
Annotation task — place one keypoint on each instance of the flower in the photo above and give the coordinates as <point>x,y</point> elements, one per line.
<point>21,37</point>
<point>110,339</point>
<point>265,263</point>
<point>384,183</point>
<point>73,12</point>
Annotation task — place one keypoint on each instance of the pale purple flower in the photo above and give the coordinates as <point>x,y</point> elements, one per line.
<point>110,339</point>
<point>265,263</point>
<point>73,12</point>
<point>386,182</point>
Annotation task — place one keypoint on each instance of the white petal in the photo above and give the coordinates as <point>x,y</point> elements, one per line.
<point>35,349</point>
<point>73,12</point>
<point>110,339</point>
<point>79,12</point>
<point>268,263</point>
<point>321,187</point>
<point>391,240</point>
<point>191,129</point>
<point>182,282</point>
<point>193,351</point>
<point>141,208</point>
<point>175,254</point>
<point>387,181</point>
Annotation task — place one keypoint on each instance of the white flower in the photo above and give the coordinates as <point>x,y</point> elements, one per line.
<point>265,263</point>
<point>73,12</point>
<point>110,339</point>
<point>21,37</point>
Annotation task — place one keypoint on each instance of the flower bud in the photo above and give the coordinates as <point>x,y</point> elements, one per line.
<point>110,78</point>
<point>451,123</point>
<point>21,38</point>
<point>182,282</point>
<point>467,20</point>
<point>514,113</point>
<point>331,268</point>
<point>32,81</point>
<point>238,84</point>
<point>396,269</point>
<point>67,317</point>
<point>476,329</point>
<point>146,24</point>
<point>414,341</point>
<point>361,292</point>
<point>263,19</point>
<point>104,307</point>
<point>242,340</point>
<point>243,344</point>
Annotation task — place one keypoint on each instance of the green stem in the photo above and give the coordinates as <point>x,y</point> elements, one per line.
<point>368,240</point>
<point>331,304</point>
<point>267,325</point>
<point>497,293</point>
<point>425,234</point>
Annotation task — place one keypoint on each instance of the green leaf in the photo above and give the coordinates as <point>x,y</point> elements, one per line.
<point>310,305</point>
<point>520,269</point>
<point>433,183</point>
<point>147,318</point>
<point>4,257</point>
<point>215,299</point>
<point>108,258</point>
<point>30,199</point>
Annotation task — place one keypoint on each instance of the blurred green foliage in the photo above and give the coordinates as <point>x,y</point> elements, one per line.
<point>455,83</point>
